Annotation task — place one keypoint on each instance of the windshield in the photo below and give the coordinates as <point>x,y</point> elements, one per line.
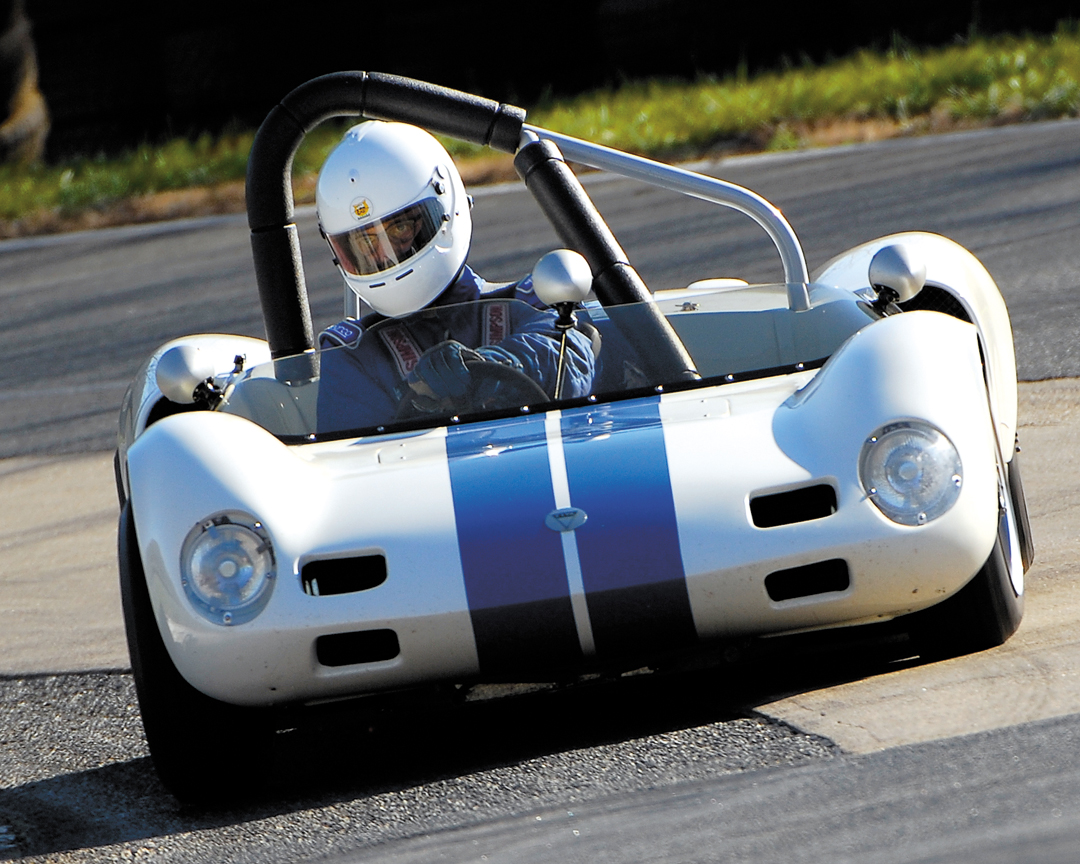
<point>456,363</point>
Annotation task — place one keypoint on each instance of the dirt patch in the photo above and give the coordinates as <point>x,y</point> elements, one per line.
<point>206,201</point>
<point>162,206</point>
<point>851,130</point>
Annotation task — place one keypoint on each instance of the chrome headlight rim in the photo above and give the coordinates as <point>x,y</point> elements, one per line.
<point>911,471</point>
<point>228,567</point>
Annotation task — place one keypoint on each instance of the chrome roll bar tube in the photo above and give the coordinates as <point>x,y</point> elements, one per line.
<point>688,183</point>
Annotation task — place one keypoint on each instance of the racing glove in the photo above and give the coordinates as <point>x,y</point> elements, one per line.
<point>442,371</point>
<point>486,393</point>
<point>442,375</point>
<point>495,354</point>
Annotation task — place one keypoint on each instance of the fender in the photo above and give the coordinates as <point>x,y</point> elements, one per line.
<point>143,392</point>
<point>951,267</point>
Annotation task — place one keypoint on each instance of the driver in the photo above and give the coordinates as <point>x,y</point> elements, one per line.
<point>395,212</point>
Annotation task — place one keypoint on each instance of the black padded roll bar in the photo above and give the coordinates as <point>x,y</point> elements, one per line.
<point>580,226</point>
<point>279,269</point>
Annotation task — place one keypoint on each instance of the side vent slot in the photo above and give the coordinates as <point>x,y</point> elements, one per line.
<point>359,646</point>
<point>823,577</point>
<point>797,505</point>
<point>343,575</point>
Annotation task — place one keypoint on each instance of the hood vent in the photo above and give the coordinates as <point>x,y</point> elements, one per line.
<point>822,577</point>
<point>795,505</point>
<point>359,646</point>
<point>329,576</point>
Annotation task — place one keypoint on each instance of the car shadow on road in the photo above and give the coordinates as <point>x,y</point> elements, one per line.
<point>438,747</point>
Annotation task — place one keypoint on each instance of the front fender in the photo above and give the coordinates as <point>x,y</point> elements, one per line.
<point>917,366</point>
<point>143,392</point>
<point>953,268</point>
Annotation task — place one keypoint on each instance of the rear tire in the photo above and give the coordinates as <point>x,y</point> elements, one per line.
<point>192,737</point>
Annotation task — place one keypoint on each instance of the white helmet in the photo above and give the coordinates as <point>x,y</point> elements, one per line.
<point>394,210</point>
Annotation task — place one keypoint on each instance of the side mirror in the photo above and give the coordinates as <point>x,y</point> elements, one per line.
<point>562,276</point>
<point>181,371</point>
<point>896,275</point>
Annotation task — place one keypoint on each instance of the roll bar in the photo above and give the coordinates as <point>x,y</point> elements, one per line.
<point>279,269</point>
<point>581,227</point>
<point>689,183</point>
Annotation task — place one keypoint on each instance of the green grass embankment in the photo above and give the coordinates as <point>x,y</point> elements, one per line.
<point>865,95</point>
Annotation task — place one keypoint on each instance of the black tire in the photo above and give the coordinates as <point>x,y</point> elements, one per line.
<point>1019,509</point>
<point>189,733</point>
<point>121,495</point>
<point>984,613</point>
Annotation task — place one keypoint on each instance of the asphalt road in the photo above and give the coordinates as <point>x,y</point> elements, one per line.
<point>81,312</point>
<point>681,768</point>
<point>632,771</point>
<point>1007,797</point>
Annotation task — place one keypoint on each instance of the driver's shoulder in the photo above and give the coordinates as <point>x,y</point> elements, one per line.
<point>521,290</point>
<point>343,334</point>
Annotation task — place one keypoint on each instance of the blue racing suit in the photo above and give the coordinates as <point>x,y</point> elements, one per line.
<point>362,382</point>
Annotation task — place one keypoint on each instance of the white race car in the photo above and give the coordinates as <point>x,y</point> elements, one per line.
<point>751,460</point>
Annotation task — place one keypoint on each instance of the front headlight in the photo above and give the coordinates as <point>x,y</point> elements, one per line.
<point>911,471</point>
<point>227,567</point>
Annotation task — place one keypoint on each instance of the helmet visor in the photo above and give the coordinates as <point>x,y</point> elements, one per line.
<point>390,241</point>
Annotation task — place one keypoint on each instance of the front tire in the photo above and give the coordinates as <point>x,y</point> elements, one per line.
<point>986,611</point>
<point>202,748</point>
<point>1019,508</point>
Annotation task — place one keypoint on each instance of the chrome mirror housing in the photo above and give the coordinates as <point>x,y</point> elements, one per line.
<point>180,371</point>
<point>562,276</point>
<point>896,275</point>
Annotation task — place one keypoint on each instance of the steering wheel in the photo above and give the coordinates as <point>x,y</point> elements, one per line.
<point>491,386</point>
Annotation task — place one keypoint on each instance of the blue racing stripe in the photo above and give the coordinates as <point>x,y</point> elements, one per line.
<point>513,565</point>
<point>631,564</point>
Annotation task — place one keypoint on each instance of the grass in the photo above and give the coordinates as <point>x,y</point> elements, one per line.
<point>1010,78</point>
<point>1005,79</point>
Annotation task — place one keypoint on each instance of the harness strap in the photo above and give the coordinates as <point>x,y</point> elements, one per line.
<point>496,322</point>
<point>402,347</point>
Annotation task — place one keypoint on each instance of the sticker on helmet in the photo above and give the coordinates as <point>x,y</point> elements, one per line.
<point>361,208</point>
